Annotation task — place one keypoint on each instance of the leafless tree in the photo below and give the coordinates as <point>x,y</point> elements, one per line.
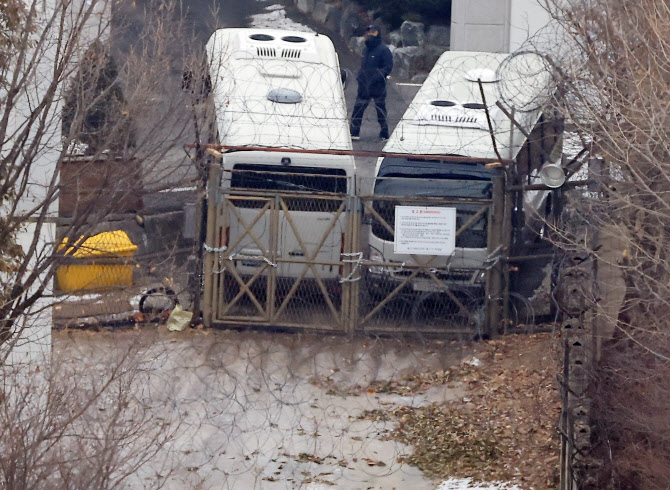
<point>613,72</point>
<point>81,101</point>
<point>67,98</point>
<point>81,421</point>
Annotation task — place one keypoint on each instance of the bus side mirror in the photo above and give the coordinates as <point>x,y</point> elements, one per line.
<point>343,76</point>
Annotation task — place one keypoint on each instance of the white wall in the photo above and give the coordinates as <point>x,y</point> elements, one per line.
<point>498,26</point>
<point>34,344</point>
<point>530,26</point>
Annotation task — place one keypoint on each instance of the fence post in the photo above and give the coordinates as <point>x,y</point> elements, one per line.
<point>271,278</point>
<point>213,198</point>
<point>575,294</point>
<point>203,165</point>
<point>353,287</point>
<point>506,241</point>
<point>494,283</point>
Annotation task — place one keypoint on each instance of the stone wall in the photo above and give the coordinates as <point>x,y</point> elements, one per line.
<point>415,46</point>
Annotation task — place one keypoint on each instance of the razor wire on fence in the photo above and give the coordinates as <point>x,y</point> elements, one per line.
<point>305,241</point>
<point>291,245</point>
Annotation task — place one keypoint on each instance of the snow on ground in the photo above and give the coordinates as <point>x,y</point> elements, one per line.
<point>253,410</point>
<point>472,362</point>
<point>275,18</point>
<point>468,484</point>
<point>572,144</point>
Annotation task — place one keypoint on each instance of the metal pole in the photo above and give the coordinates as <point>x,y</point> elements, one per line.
<point>493,287</point>
<point>215,150</point>
<point>208,297</point>
<point>506,245</point>
<point>201,230</point>
<point>271,286</point>
<point>354,291</point>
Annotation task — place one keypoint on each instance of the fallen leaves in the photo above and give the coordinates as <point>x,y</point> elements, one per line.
<point>374,462</point>
<point>502,430</point>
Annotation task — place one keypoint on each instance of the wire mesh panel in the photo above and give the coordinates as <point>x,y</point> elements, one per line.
<point>310,269</point>
<point>296,249</point>
<point>412,281</point>
<point>277,246</point>
<point>244,258</point>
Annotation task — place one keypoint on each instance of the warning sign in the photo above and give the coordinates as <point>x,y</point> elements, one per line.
<point>425,230</point>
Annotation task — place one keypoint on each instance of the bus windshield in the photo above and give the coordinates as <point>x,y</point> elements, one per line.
<point>301,188</point>
<point>404,179</point>
<point>284,178</point>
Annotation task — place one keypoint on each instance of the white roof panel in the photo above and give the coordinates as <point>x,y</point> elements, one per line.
<point>447,115</point>
<point>245,69</point>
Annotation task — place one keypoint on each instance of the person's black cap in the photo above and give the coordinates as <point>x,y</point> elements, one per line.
<point>373,27</point>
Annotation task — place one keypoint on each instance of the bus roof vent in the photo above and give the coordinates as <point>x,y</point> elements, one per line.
<point>284,96</point>
<point>455,115</point>
<point>261,37</point>
<point>294,39</point>
<point>291,53</point>
<point>442,103</point>
<point>474,105</point>
<point>266,51</point>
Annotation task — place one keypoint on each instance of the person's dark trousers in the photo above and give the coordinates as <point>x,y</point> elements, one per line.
<point>359,108</point>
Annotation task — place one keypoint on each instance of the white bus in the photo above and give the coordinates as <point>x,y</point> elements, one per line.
<point>448,117</point>
<point>280,90</point>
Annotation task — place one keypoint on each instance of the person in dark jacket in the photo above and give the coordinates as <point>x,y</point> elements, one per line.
<point>376,66</point>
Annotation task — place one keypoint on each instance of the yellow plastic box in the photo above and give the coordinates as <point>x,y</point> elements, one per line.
<point>110,244</point>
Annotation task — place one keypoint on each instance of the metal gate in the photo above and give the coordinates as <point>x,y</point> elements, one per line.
<point>458,294</point>
<point>278,259</point>
<point>305,260</point>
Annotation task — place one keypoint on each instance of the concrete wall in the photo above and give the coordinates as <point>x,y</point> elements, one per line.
<point>480,25</point>
<point>531,25</point>
<point>33,344</point>
<point>498,26</point>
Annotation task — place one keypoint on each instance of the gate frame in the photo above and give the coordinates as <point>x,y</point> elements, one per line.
<point>498,247</point>
<point>215,263</point>
<point>423,266</point>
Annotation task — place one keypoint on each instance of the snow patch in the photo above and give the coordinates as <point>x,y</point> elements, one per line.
<point>572,144</point>
<point>276,19</point>
<point>180,189</point>
<point>92,298</point>
<point>467,484</point>
<point>472,362</point>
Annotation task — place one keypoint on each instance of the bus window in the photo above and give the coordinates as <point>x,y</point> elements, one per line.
<point>293,181</point>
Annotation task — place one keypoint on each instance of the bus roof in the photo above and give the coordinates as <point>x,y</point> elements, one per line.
<point>277,88</point>
<point>447,115</point>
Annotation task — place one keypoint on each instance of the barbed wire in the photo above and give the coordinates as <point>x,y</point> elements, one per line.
<point>244,409</point>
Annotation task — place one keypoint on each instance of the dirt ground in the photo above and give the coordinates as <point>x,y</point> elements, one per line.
<point>277,410</point>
